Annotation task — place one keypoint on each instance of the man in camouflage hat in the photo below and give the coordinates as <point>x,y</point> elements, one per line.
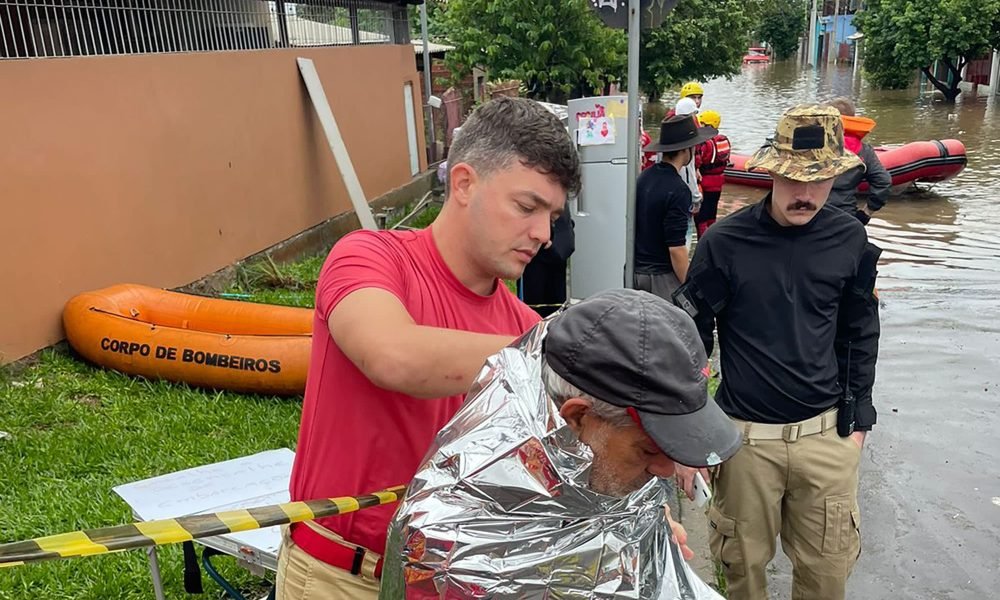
<point>789,283</point>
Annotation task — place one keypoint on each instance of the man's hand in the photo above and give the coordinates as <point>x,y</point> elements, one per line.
<point>685,479</point>
<point>680,535</point>
<point>859,438</point>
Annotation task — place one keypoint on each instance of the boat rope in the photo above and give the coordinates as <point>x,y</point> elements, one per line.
<point>145,534</point>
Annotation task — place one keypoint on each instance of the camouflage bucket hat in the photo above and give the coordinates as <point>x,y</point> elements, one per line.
<point>808,145</point>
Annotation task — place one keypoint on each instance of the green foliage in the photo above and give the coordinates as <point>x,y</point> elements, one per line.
<point>558,48</point>
<point>781,25</point>
<point>904,35</point>
<point>699,40</point>
<point>436,29</point>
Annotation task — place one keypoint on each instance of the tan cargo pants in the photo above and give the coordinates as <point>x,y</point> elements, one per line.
<point>303,577</point>
<point>799,481</point>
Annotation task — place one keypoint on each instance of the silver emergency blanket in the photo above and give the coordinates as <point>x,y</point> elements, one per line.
<point>501,508</point>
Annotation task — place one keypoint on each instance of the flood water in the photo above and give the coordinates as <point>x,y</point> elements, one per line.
<point>930,480</point>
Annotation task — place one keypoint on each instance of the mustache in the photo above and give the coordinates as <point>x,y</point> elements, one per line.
<point>801,205</point>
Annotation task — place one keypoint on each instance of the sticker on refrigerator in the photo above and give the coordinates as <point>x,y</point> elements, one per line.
<point>616,109</point>
<point>596,131</point>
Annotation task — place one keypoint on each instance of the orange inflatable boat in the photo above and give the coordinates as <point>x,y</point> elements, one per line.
<point>205,342</point>
<point>916,162</point>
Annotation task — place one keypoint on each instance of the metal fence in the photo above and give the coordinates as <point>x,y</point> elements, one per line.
<point>54,28</point>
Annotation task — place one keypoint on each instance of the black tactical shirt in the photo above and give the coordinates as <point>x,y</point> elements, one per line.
<point>789,303</point>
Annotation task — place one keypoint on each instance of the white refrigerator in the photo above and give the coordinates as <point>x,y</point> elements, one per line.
<point>598,262</point>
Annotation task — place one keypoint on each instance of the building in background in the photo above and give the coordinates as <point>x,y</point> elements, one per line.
<point>159,141</point>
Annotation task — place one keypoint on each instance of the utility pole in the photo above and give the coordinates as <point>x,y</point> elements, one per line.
<point>632,167</point>
<point>812,35</point>
<point>429,111</point>
<point>834,50</point>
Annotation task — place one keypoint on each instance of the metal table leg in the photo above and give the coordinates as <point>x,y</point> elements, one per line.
<point>154,571</point>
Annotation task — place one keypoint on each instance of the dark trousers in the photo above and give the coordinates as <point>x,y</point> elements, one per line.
<point>544,283</point>
<point>708,212</point>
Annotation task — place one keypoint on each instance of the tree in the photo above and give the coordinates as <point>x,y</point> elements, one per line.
<point>782,25</point>
<point>561,50</point>
<point>558,48</point>
<point>904,35</point>
<point>435,20</point>
<point>700,39</point>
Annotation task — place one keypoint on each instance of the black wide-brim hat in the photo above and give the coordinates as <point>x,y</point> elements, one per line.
<point>680,132</point>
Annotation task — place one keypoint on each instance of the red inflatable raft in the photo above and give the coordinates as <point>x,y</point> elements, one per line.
<point>916,162</point>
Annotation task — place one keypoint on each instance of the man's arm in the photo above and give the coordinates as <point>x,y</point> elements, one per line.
<point>879,180</point>
<point>858,330</point>
<point>704,291</point>
<point>679,261</point>
<point>675,228</point>
<point>379,336</point>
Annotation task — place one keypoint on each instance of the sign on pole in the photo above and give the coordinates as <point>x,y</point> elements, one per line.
<point>614,13</point>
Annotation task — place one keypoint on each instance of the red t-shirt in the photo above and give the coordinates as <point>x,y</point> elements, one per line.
<point>356,438</point>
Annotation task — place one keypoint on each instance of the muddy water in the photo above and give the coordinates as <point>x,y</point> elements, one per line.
<point>931,473</point>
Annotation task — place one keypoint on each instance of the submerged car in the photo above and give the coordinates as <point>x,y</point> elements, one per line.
<point>756,55</point>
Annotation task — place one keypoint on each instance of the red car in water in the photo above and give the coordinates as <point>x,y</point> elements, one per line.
<point>756,55</point>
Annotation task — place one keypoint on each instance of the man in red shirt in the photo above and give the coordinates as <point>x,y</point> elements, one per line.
<point>404,323</point>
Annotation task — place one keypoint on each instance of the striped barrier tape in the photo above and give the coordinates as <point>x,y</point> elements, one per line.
<point>145,534</point>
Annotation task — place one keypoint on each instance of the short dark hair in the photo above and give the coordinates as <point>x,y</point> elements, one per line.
<point>508,128</point>
<point>674,153</point>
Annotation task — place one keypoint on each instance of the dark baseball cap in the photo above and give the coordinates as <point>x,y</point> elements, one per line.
<point>636,350</point>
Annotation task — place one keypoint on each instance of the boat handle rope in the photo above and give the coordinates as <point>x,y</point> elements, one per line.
<point>146,534</point>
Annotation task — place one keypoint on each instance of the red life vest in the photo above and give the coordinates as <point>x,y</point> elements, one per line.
<point>721,152</point>
<point>714,154</point>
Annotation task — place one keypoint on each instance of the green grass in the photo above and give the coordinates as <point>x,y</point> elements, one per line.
<point>77,431</point>
<point>721,584</point>
<point>293,284</point>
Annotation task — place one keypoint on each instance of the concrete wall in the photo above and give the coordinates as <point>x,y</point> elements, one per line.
<point>159,169</point>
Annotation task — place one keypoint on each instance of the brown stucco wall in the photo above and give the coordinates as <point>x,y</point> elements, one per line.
<point>160,169</point>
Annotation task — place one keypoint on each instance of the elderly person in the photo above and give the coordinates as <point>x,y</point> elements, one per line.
<point>548,482</point>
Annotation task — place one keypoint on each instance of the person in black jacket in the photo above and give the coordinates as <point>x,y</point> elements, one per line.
<point>845,188</point>
<point>789,285</point>
<point>543,284</point>
<point>663,208</point>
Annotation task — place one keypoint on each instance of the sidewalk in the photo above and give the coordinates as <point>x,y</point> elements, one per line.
<point>696,524</point>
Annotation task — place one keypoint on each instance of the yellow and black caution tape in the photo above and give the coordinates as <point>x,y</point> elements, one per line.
<point>172,531</point>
